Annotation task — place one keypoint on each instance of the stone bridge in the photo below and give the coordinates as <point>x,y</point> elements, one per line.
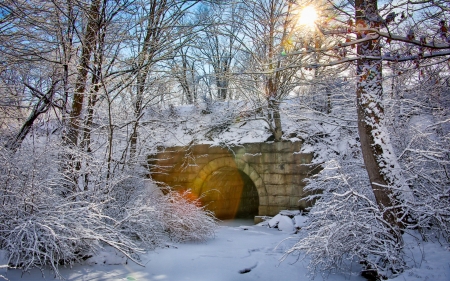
<point>239,181</point>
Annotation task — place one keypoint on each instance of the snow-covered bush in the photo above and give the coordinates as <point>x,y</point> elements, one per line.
<point>43,223</point>
<point>42,226</point>
<point>420,126</point>
<point>156,219</point>
<point>346,226</point>
<point>184,219</point>
<point>427,163</point>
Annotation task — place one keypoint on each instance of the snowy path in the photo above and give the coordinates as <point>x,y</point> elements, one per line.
<point>236,253</point>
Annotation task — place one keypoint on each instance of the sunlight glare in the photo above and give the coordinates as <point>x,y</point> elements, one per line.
<point>308,16</point>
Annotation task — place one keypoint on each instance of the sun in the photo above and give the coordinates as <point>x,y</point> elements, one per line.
<point>308,16</point>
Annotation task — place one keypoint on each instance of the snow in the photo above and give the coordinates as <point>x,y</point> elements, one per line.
<point>239,251</point>
<point>109,256</point>
<point>274,221</point>
<point>286,224</point>
<point>229,123</point>
<point>300,221</point>
<point>3,261</point>
<point>236,253</point>
<point>426,260</point>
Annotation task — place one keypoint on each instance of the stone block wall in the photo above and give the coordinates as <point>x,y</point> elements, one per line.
<point>277,169</point>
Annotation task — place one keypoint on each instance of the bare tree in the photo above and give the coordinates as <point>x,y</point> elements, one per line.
<point>36,38</point>
<point>158,36</point>
<point>269,32</point>
<point>218,42</point>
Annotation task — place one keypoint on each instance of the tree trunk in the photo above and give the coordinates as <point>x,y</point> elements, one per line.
<point>89,41</point>
<point>150,45</point>
<point>272,83</point>
<point>72,165</point>
<point>185,80</point>
<point>93,98</point>
<point>137,113</point>
<point>275,119</point>
<point>379,157</point>
<point>222,88</point>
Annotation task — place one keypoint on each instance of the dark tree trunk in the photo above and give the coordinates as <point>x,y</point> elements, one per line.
<point>379,158</point>
<point>72,165</point>
<point>222,88</point>
<point>89,41</point>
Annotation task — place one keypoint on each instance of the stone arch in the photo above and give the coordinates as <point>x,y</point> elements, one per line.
<point>229,162</point>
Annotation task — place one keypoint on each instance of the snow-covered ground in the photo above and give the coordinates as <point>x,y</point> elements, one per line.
<point>239,251</point>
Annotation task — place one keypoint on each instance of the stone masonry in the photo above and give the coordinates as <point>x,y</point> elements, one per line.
<point>277,170</point>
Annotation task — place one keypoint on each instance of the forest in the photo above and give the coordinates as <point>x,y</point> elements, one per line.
<point>90,88</point>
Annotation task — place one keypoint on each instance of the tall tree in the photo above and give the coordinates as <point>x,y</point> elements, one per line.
<point>88,43</point>
<point>159,38</point>
<point>372,32</point>
<point>36,45</point>
<point>218,42</point>
<point>379,156</point>
<point>396,35</point>
<point>269,35</point>
<point>185,71</point>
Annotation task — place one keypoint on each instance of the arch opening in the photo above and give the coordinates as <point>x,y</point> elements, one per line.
<point>230,193</point>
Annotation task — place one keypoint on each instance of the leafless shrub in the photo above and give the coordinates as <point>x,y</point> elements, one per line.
<point>41,226</point>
